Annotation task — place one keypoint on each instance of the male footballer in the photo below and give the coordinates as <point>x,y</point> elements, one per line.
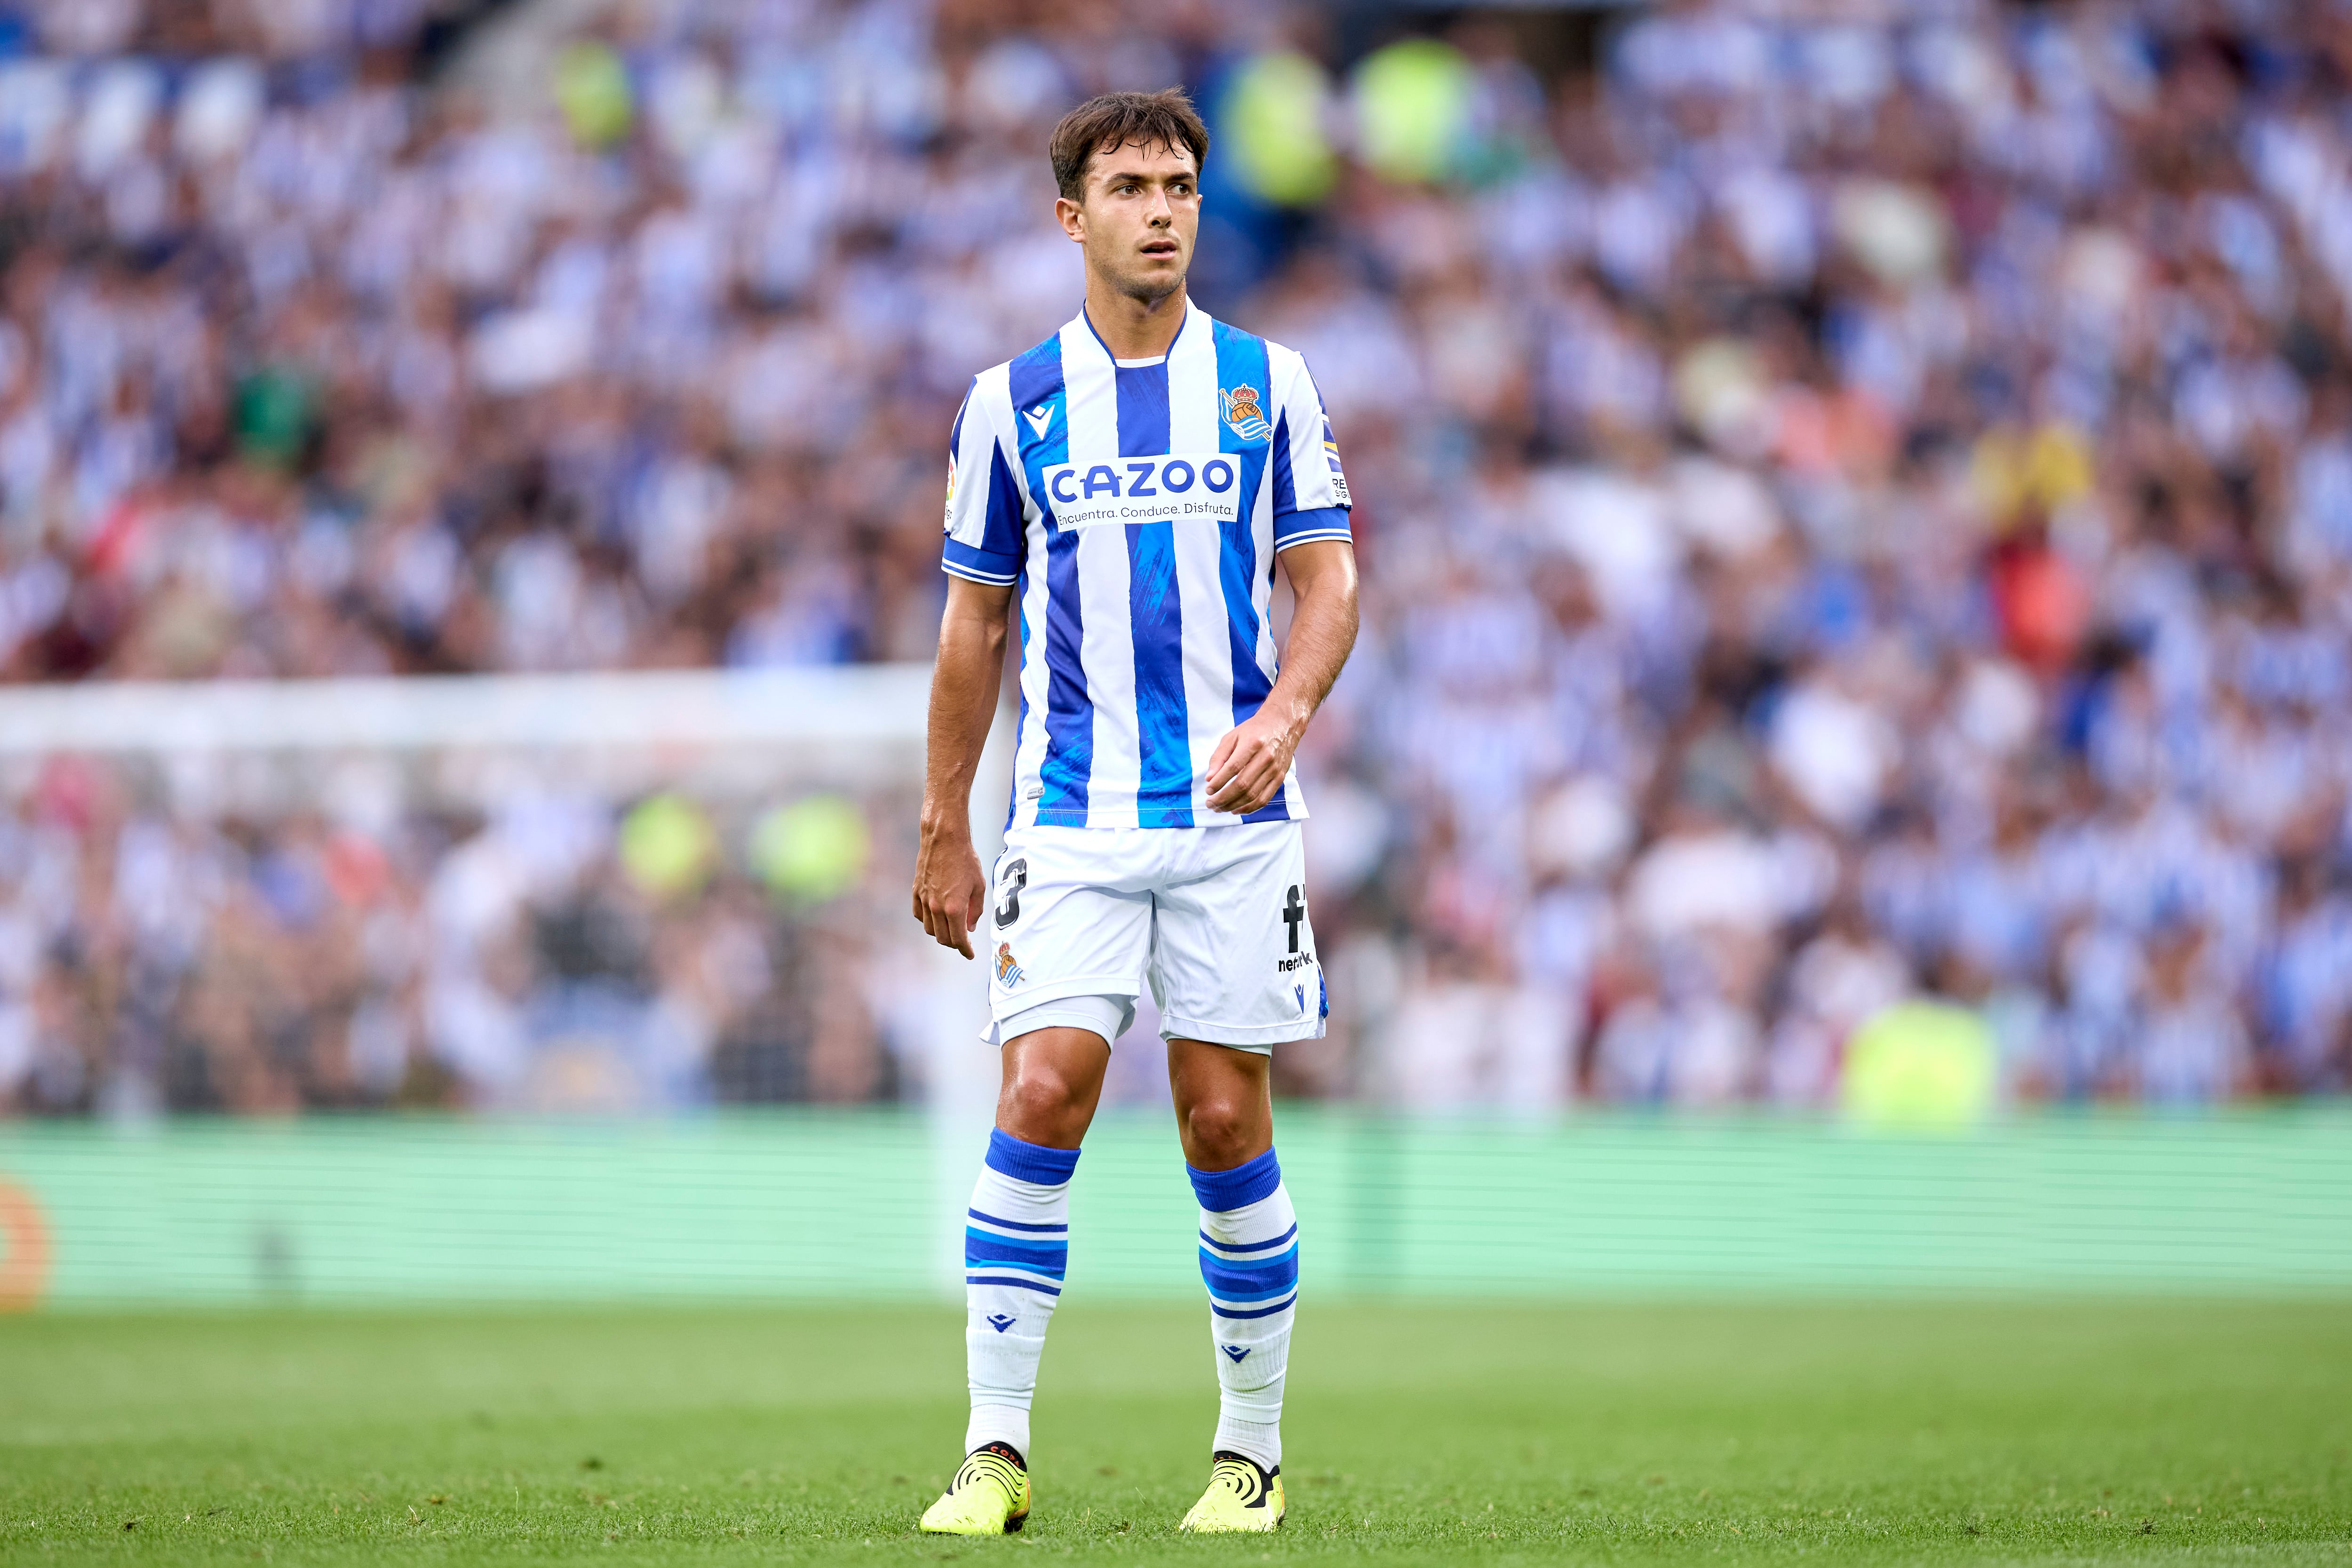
<point>1135,480</point>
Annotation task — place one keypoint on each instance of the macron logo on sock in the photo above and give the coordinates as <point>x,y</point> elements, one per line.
<point>1236,1352</point>
<point>1001,1321</point>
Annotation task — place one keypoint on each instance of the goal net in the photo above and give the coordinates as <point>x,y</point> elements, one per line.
<point>536,893</point>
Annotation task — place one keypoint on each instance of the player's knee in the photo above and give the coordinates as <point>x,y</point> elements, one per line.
<point>1039,1103</point>
<point>1220,1132</point>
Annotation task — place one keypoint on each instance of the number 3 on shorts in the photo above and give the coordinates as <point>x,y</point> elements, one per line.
<point>1016,877</point>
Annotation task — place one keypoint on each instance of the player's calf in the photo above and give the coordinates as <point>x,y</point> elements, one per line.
<point>1015,1251</point>
<point>1249,1261</point>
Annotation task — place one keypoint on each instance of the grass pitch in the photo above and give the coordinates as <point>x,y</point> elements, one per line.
<point>1994,1432</point>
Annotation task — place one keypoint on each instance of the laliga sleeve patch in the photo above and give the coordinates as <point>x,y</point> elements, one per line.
<point>1331,460</point>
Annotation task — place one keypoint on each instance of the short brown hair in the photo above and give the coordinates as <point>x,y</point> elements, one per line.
<point>1163,119</point>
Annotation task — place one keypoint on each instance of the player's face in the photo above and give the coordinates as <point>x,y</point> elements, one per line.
<point>1140,213</point>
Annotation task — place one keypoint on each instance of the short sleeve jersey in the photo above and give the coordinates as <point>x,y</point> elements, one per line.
<point>1136,508</point>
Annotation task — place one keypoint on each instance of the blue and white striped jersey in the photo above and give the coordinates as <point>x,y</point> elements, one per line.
<point>1138,507</point>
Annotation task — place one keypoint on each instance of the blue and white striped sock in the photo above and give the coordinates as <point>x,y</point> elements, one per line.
<point>1016,1246</point>
<point>1249,1260</point>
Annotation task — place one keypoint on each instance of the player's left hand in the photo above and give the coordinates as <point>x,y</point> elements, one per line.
<point>1247,770</point>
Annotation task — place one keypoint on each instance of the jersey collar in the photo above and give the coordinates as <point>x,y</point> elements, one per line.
<point>1192,314</point>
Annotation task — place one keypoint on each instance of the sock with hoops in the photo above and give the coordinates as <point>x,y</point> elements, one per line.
<point>1016,1245</point>
<point>1249,1260</point>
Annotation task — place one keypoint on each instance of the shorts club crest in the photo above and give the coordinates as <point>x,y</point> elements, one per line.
<point>1137,510</point>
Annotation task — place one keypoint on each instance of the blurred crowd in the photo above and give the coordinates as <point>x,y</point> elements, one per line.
<point>1855,501</point>
<point>170,947</point>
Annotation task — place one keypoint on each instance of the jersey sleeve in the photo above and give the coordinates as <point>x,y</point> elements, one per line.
<point>984,530</point>
<point>1310,489</point>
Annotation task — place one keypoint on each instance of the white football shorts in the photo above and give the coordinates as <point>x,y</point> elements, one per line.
<point>1212,919</point>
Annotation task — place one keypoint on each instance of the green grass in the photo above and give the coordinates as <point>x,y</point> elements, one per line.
<point>2047,1432</point>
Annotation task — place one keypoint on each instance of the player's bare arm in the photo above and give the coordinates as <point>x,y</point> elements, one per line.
<point>950,892</point>
<point>1249,765</point>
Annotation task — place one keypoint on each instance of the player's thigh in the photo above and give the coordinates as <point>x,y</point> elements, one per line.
<point>1064,920</point>
<point>1233,959</point>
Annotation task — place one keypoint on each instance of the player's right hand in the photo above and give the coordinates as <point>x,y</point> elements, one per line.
<point>950,892</point>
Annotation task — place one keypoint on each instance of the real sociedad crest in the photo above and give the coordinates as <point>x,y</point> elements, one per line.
<point>1242,413</point>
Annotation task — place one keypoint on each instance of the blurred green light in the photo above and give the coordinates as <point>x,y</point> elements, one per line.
<point>666,845</point>
<point>1920,1064</point>
<point>1413,103</point>
<point>591,89</point>
<point>1274,114</point>
<point>812,851</point>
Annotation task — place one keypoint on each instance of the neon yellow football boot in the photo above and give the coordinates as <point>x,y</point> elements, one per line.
<point>1240,1497</point>
<point>989,1495</point>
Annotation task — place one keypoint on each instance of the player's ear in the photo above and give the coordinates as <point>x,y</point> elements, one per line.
<point>1072,217</point>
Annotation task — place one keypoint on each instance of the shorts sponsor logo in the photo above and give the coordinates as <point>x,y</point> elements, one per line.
<point>1009,973</point>
<point>1184,487</point>
<point>1301,991</point>
<point>1294,915</point>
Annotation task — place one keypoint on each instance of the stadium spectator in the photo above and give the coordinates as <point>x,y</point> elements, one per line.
<point>1847,506</point>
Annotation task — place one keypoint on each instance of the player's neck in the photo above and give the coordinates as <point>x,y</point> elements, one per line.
<point>1132,328</point>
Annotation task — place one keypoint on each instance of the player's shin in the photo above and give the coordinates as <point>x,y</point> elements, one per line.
<point>1249,1260</point>
<point>1016,1249</point>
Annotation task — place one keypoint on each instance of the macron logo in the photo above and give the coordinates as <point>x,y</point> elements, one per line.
<point>1236,1352</point>
<point>1000,1322</point>
<point>1039,417</point>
